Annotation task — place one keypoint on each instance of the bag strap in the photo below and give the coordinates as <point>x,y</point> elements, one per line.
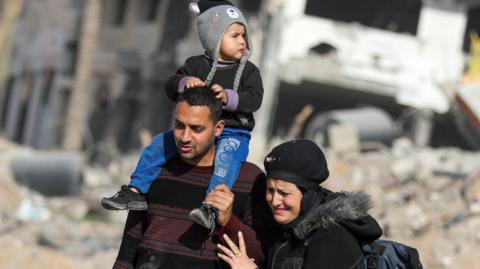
<point>377,251</point>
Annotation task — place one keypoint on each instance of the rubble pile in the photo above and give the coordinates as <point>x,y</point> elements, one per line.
<point>56,232</point>
<point>427,198</point>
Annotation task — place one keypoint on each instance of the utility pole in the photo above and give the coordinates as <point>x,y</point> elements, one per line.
<point>76,118</point>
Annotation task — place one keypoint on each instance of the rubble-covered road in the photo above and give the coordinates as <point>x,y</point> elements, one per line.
<point>427,198</point>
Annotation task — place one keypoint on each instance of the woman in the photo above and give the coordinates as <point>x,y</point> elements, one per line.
<point>314,227</point>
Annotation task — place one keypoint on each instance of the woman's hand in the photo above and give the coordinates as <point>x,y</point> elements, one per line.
<point>236,257</point>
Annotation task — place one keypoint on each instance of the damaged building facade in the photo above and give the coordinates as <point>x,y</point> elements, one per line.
<point>401,62</point>
<point>139,44</point>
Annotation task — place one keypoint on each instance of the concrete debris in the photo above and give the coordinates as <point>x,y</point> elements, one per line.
<point>427,198</point>
<point>32,211</point>
<point>73,207</point>
<point>69,231</point>
<point>471,192</point>
<point>404,169</point>
<point>17,254</point>
<point>419,220</point>
<point>10,194</point>
<point>97,177</point>
<point>343,138</point>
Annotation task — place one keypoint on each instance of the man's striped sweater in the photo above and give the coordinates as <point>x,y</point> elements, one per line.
<point>165,237</point>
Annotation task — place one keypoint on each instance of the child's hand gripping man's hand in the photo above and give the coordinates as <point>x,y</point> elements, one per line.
<point>220,93</point>
<point>194,82</point>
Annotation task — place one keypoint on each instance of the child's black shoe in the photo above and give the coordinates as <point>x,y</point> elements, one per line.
<point>205,216</point>
<point>125,199</point>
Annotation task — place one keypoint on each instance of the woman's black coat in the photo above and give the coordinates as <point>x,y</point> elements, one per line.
<point>327,237</point>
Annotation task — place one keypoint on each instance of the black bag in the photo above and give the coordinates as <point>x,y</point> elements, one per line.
<point>386,254</point>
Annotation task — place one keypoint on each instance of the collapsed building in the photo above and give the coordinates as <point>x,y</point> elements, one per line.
<point>401,62</point>
<point>133,47</point>
<point>400,68</point>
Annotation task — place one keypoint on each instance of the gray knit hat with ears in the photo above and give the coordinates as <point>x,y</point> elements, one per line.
<point>214,18</point>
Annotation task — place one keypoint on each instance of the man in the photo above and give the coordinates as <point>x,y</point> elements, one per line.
<point>164,236</point>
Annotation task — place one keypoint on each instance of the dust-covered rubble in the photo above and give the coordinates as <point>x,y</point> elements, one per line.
<point>427,198</point>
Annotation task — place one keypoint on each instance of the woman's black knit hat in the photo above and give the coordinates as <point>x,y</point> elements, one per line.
<point>301,162</point>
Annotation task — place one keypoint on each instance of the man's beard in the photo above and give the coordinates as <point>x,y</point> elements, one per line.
<point>197,156</point>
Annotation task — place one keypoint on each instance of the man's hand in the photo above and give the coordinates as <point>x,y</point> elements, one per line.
<point>194,82</point>
<point>220,93</point>
<point>222,199</point>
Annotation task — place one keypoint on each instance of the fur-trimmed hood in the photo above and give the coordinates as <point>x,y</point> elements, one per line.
<point>348,209</point>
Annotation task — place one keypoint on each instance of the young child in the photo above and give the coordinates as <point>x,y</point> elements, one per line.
<point>224,69</point>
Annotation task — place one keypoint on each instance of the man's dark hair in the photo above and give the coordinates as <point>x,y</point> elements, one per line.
<point>203,97</point>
